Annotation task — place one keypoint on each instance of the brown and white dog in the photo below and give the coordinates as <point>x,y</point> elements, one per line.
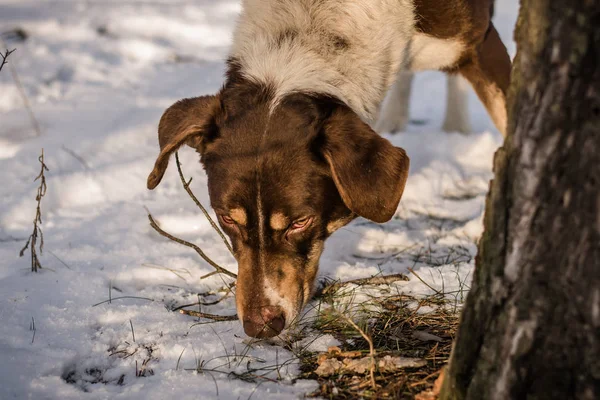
<point>286,143</point>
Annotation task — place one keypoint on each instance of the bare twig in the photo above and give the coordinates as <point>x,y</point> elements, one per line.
<point>75,156</point>
<point>373,280</point>
<point>213,264</point>
<point>209,274</point>
<point>5,57</point>
<point>209,316</point>
<point>425,380</point>
<point>218,268</point>
<point>200,303</point>
<point>412,271</point>
<point>32,328</point>
<point>41,191</point>
<point>61,261</point>
<point>172,270</point>
<point>179,359</point>
<point>15,75</point>
<point>121,297</point>
<point>186,186</point>
<point>223,289</point>
<point>132,332</point>
<point>371,349</point>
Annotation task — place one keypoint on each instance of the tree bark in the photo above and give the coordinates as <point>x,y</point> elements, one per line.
<point>531,323</point>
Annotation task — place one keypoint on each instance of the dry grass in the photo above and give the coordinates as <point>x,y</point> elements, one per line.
<point>398,326</point>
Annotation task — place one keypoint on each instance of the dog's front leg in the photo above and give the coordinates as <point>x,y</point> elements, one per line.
<point>394,112</point>
<point>457,110</point>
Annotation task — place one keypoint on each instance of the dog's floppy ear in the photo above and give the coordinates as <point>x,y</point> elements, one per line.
<point>186,121</point>
<point>368,171</point>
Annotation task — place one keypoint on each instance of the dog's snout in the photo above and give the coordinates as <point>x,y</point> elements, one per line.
<point>265,322</point>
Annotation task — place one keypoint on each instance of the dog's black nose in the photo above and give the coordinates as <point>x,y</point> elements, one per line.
<point>266,323</point>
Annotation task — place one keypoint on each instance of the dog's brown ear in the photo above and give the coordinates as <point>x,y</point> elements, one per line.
<point>186,121</point>
<point>368,171</point>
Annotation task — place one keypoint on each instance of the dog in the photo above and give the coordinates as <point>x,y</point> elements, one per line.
<point>287,143</point>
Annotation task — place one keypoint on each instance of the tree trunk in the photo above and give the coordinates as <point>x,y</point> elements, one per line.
<point>531,324</point>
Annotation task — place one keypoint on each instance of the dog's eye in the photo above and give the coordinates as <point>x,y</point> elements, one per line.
<point>300,224</point>
<point>227,219</point>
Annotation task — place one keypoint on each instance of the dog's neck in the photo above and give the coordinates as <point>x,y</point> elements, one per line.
<point>319,47</point>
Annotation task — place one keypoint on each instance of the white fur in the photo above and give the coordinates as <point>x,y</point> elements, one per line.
<point>457,115</point>
<point>289,310</point>
<point>377,33</point>
<point>381,40</point>
<point>427,52</point>
<point>393,116</point>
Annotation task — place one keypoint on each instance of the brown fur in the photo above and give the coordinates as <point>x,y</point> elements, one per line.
<point>182,123</point>
<point>310,158</point>
<point>488,71</point>
<point>485,62</point>
<point>313,157</point>
<point>466,20</point>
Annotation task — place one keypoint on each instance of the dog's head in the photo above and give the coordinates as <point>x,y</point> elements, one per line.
<point>281,180</point>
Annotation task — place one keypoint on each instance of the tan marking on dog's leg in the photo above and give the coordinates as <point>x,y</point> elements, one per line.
<point>489,73</point>
<point>239,216</point>
<point>457,110</point>
<point>279,221</point>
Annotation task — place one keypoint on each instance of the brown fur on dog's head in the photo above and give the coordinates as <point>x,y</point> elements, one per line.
<point>281,180</point>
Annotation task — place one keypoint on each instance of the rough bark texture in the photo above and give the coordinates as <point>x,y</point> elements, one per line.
<point>531,324</point>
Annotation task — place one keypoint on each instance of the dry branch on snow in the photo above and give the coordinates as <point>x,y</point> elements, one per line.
<point>37,221</point>
<point>5,57</point>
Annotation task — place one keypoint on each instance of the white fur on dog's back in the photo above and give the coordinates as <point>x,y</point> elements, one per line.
<point>350,49</point>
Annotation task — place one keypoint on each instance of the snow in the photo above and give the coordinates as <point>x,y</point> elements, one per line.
<point>98,75</point>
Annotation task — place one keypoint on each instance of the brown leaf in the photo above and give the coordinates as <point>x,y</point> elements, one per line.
<point>350,354</point>
<point>329,367</point>
<point>322,357</point>
<point>390,364</point>
<point>359,366</point>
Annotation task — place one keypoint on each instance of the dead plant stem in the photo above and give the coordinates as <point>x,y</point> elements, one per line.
<point>186,186</point>
<point>37,221</point>
<point>213,264</point>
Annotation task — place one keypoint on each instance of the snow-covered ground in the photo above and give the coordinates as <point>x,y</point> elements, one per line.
<point>99,74</point>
